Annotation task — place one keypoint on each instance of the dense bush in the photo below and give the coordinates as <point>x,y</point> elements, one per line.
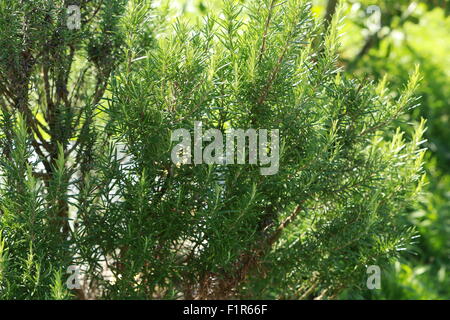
<point>87,177</point>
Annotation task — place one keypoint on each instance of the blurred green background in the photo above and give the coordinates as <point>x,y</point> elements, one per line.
<point>388,38</point>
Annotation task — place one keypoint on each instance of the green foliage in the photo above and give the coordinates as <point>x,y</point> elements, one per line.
<point>421,38</point>
<point>93,184</point>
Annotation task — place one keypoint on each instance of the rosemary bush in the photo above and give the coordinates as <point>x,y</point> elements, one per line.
<point>87,177</point>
